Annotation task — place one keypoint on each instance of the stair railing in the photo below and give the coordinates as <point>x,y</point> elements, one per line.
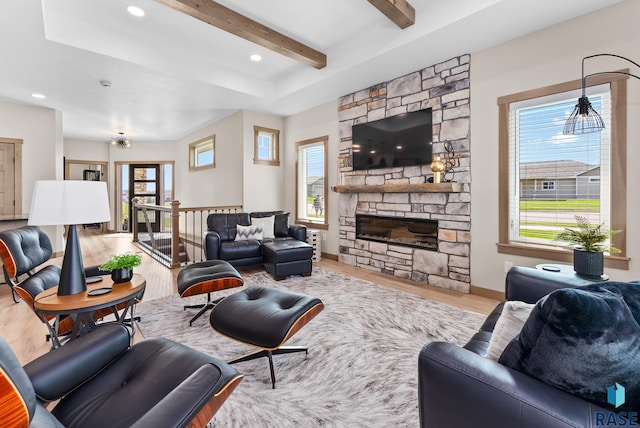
<point>171,234</point>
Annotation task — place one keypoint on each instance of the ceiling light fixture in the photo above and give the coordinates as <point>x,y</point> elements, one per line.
<point>38,96</point>
<point>135,11</point>
<point>256,58</point>
<point>585,119</point>
<point>121,142</point>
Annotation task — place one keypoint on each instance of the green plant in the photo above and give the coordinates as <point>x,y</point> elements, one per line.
<point>122,261</point>
<point>588,237</point>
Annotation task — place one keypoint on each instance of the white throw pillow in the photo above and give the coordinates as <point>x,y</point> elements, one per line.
<point>513,316</point>
<point>244,233</point>
<point>267,225</point>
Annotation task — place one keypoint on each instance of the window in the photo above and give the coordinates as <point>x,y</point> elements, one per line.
<point>546,177</point>
<point>266,146</point>
<point>548,185</point>
<point>202,154</point>
<point>311,183</point>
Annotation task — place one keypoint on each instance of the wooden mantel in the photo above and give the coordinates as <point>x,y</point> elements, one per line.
<point>401,188</point>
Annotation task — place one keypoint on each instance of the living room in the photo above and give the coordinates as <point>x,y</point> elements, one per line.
<point>547,56</point>
<point>539,59</point>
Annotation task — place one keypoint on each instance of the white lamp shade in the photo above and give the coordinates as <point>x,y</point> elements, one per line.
<point>65,202</point>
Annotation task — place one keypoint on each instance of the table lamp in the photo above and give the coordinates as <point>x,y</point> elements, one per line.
<point>70,202</point>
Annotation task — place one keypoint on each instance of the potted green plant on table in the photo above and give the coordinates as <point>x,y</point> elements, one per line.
<point>121,266</point>
<point>590,242</point>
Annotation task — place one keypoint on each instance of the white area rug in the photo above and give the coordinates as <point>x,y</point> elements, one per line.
<point>361,370</point>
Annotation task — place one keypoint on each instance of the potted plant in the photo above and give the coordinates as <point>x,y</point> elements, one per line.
<point>121,266</point>
<point>590,242</point>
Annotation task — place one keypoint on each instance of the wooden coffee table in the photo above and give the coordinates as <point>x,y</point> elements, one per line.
<point>82,306</point>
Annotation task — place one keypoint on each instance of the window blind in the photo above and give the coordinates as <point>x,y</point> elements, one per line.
<point>553,176</point>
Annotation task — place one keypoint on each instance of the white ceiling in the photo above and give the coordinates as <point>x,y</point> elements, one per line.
<point>172,74</point>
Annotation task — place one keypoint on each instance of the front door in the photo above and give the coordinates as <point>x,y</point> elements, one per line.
<point>144,185</point>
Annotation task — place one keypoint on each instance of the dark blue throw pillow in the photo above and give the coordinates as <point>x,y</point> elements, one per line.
<point>583,341</point>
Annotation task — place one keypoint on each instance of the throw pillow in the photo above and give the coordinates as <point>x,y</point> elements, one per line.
<point>281,225</point>
<point>583,340</point>
<point>513,316</point>
<point>245,233</point>
<point>267,225</point>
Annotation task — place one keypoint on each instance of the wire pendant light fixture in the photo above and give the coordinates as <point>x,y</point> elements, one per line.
<point>585,119</point>
<point>121,142</point>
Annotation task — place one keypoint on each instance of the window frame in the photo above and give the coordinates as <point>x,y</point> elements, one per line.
<point>618,88</point>
<point>274,149</point>
<point>548,185</point>
<point>303,221</point>
<point>193,153</point>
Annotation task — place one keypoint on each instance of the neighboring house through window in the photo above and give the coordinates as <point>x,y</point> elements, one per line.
<point>547,177</point>
<point>311,183</point>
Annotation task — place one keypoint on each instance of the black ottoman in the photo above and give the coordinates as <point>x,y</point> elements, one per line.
<point>288,257</point>
<point>207,277</point>
<point>265,318</point>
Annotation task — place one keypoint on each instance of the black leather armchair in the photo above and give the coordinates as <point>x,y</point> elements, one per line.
<point>102,382</point>
<point>459,387</point>
<point>24,251</point>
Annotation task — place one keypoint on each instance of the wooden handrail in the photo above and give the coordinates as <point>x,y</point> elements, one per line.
<point>218,208</point>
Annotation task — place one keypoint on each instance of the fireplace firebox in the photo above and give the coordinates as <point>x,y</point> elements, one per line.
<point>409,232</point>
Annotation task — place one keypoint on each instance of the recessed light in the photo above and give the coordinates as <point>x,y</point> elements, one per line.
<point>255,57</point>
<point>135,11</point>
<point>38,96</point>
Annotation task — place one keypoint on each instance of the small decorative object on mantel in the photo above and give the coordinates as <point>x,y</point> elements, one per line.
<point>449,162</point>
<point>121,266</point>
<point>437,166</point>
<point>590,243</point>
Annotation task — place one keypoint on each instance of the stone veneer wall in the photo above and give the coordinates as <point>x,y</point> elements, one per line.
<point>445,88</point>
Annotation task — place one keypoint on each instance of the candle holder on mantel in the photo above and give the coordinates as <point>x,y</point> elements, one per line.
<point>449,162</point>
<point>437,166</point>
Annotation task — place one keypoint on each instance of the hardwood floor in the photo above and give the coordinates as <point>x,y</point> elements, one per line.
<point>25,332</point>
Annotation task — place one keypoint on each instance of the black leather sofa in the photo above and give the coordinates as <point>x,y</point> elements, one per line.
<point>287,253</point>
<point>459,387</point>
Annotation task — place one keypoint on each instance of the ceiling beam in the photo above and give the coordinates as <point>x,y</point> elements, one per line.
<point>399,11</point>
<point>226,19</point>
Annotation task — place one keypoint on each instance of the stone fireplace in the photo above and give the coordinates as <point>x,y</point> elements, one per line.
<point>398,197</point>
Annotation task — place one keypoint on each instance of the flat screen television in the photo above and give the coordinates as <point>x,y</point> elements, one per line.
<point>402,140</point>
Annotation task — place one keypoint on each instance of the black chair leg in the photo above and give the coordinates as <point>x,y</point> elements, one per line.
<point>269,354</point>
<point>204,307</point>
<point>15,297</point>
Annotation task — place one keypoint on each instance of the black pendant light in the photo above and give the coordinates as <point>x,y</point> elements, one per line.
<point>585,119</point>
